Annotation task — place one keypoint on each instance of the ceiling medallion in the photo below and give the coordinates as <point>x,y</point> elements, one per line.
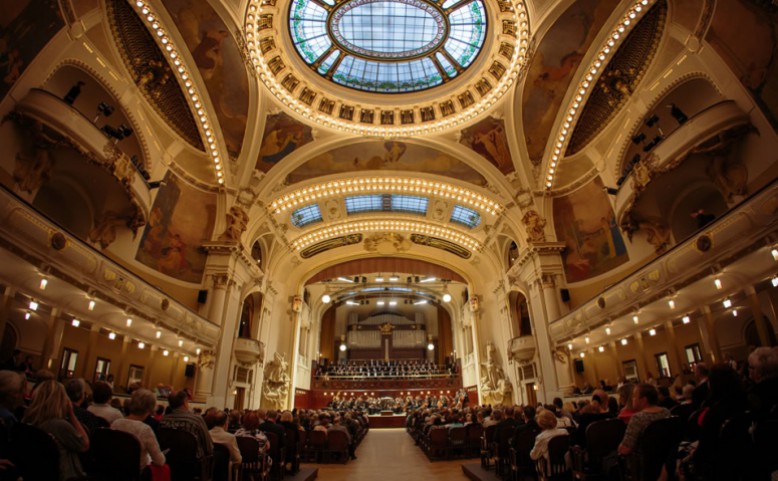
<point>396,47</point>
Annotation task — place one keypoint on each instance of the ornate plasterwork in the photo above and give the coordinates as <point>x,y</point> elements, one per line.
<point>460,99</point>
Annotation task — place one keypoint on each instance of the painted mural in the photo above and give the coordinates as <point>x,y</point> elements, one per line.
<point>553,66</point>
<point>390,155</point>
<point>282,136</point>
<point>181,219</point>
<point>488,138</point>
<point>216,53</point>
<point>584,221</point>
<point>751,57</point>
<point>26,26</point>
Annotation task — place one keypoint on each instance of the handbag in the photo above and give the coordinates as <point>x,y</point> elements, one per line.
<point>159,472</point>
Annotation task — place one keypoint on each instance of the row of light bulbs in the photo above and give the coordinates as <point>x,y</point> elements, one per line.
<point>589,80</point>
<point>385,184</point>
<point>33,306</point>
<point>517,61</point>
<point>451,235</point>
<point>178,66</point>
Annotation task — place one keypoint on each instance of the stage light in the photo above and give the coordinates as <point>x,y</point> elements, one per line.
<point>44,283</point>
<point>112,335</point>
<point>326,298</point>
<point>686,319</point>
<point>624,342</point>
<point>394,279</point>
<point>717,283</point>
<point>652,332</point>
<point>75,323</point>
<point>727,303</point>
<point>379,279</point>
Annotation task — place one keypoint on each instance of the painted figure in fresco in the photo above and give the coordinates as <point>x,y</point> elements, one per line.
<point>281,141</point>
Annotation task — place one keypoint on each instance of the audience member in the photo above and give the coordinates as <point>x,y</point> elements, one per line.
<point>625,403</point>
<point>52,411</point>
<point>75,389</point>
<point>665,400</point>
<point>644,399</point>
<point>268,424</point>
<point>181,418</point>
<point>101,395</point>
<point>547,421</point>
<point>217,422</point>
<point>700,394</point>
<point>11,397</point>
<point>337,426</point>
<point>250,428</point>
<point>763,393</point>
<point>141,406</point>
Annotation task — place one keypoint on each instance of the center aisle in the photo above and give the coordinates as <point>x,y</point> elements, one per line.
<point>389,454</point>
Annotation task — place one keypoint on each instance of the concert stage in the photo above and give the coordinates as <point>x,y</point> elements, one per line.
<point>378,421</point>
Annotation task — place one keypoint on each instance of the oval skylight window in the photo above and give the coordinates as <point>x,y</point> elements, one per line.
<point>388,46</point>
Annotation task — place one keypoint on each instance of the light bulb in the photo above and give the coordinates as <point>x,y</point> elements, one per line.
<point>75,323</point>
<point>727,303</point>
<point>141,345</point>
<point>734,312</point>
<point>430,347</point>
<point>774,281</point>
<point>717,283</point>
<point>180,343</point>
<point>447,297</point>
<point>608,331</point>
<point>586,339</point>
<point>582,355</point>
<point>44,283</point>
<point>33,306</point>
<point>685,319</point>
<point>326,298</point>
<point>570,346</point>
<point>624,342</point>
<point>27,315</point>
<point>129,322</point>
<point>112,335</point>
<point>186,358</point>
<point>198,351</point>
<point>635,319</point>
<point>652,332</point>
<point>91,306</point>
<point>158,334</point>
<point>671,303</point>
<point>165,352</point>
<point>342,347</point>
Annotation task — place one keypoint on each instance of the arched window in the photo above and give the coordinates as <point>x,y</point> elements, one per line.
<point>244,330</point>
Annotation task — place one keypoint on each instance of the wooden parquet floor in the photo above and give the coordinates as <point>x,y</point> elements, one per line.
<point>390,455</point>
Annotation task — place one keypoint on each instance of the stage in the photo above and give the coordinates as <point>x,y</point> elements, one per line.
<point>379,421</point>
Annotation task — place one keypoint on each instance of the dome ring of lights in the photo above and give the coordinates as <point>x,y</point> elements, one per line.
<point>388,46</point>
<point>292,77</point>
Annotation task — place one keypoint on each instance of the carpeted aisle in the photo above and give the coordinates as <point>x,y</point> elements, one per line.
<point>389,454</point>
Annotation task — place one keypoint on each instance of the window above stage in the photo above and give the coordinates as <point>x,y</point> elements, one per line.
<point>466,217</point>
<point>306,215</point>
<point>388,46</point>
<point>386,203</point>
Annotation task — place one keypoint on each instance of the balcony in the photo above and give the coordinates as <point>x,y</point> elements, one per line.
<point>522,349</point>
<point>249,351</point>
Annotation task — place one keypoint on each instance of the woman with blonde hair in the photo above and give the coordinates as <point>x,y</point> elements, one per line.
<point>52,411</point>
<point>142,404</point>
<point>547,421</point>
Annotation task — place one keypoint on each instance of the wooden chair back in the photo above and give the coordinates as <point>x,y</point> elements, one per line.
<point>337,443</point>
<point>602,438</point>
<point>182,454</point>
<point>34,453</point>
<point>221,462</point>
<point>115,454</point>
<point>659,442</point>
<point>555,468</point>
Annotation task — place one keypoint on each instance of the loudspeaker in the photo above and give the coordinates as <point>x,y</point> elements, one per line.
<point>565,295</point>
<point>189,371</point>
<point>202,296</point>
<point>579,367</point>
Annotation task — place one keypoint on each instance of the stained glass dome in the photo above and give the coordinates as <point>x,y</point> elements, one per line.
<point>388,46</point>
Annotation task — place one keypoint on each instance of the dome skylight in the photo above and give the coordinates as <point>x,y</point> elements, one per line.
<point>388,46</point>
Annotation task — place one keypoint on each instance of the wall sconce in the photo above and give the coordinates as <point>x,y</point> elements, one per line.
<point>686,319</point>
<point>112,335</point>
<point>326,298</point>
<point>601,348</point>
<point>717,283</point>
<point>652,332</point>
<point>727,303</point>
<point>624,342</point>
<point>44,283</point>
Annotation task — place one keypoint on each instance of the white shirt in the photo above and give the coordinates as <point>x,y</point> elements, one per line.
<point>105,411</point>
<point>149,447</point>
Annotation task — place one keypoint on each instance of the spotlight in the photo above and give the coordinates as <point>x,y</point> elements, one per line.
<point>27,315</point>
<point>198,351</point>
<point>141,345</point>
<point>380,303</point>
<point>671,304</point>
<point>392,303</point>
<point>734,312</point>
<point>180,343</point>
<point>717,283</point>
<point>601,348</point>
<point>379,279</point>
<point>342,348</point>
<point>608,331</point>
<point>447,297</point>
<point>91,305</point>
<point>159,334</point>
<point>774,253</point>
<point>352,303</point>
<point>686,319</point>
<point>394,279</point>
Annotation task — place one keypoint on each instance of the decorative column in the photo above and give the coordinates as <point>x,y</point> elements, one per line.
<point>151,362</point>
<point>710,340</point>
<point>53,341</point>
<point>5,308</point>
<point>89,359</point>
<point>615,356</point>
<point>676,349</point>
<point>119,380</point>
<point>540,268</point>
<point>756,311</point>
<point>641,356</point>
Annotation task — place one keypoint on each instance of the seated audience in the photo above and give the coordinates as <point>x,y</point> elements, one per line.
<point>52,411</point>
<point>75,389</point>
<point>250,428</point>
<point>101,395</point>
<point>763,394</point>
<point>12,386</point>
<point>625,403</point>
<point>337,426</point>
<point>644,399</point>
<point>547,421</point>
<point>142,404</point>
<point>182,419</point>
<point>217,422</point>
